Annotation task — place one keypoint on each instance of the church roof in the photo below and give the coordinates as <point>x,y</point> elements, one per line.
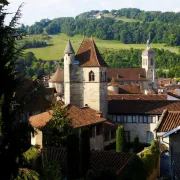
<point>126,74</point>
<point>88,54</point>
<point>58,76</point>
<point>69,49</point>
<point>148,51</point>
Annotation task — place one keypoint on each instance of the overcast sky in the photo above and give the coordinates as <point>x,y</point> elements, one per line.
<point>35,10</point>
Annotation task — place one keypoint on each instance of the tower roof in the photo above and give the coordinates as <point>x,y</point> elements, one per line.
<point>148,51</point>
<point>88,54</point>
<point>58,76</point>
<point>69,49</point>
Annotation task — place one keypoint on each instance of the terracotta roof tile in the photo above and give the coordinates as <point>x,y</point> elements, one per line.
<point>129,89</point>
<point>88,54</point>
<point>173,95</point>
<point>141,106</point>
<point>110,92</point>
<point>80,117</point>
<point>99,160</point>
<point>58,76</point>
<point>126,74</point>
<point>137,97</point>
<point>170,121</point>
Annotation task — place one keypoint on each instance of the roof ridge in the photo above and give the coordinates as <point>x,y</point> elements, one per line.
<point>81,43</point>
<point>94,49</point>
<point>165,112</point>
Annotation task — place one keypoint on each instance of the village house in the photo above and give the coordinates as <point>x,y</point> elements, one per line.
<point>167,132</point>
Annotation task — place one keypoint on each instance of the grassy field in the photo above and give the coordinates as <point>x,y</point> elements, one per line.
<point>121,18</point>
<point>58,43</point>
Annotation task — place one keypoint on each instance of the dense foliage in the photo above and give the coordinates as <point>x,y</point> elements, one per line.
<point>164,27</point>
<point>31,67</point>
<point>14,132</point>
<point>120,139</point>
<point>55,131</point>
<point>150,157</point>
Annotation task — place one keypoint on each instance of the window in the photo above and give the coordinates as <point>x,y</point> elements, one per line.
<point>141,119</point>
<point>113,134</point>
<point>149,136</point>
<point>106,136</point>
<point>98,129</point>
<point>105,76</point>
<point>134,119</point>
<point>129,119</point>
<point>145,119</point>
<point>149,119</point>
<point>92,131</point>
<point>151,62</point>
<point>101,76</point>
<point>127,135</point>
<point>125,119</point>
<point>114,118</point>
<point>118,119</point>
<point>91,76</point>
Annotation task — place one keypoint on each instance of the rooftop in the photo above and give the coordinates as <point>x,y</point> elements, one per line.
<point>80,117</point>
<point>58,76</point>
<point>88,54</point>
<point>99,160</point>
<point>137,97</point>
<point>126,74</point>
<point>170,120</point>
<point>141,106</point>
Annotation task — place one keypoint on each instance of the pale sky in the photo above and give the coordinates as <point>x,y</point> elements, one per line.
<point>35,10</point>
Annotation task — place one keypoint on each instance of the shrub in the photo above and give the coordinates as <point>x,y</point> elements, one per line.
<point>120,140</point>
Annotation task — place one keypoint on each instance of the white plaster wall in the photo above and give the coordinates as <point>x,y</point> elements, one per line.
<point>37,138</point>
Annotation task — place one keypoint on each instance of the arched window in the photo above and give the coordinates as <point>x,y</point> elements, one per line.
<point>151,62</point>
<point>91,76</point>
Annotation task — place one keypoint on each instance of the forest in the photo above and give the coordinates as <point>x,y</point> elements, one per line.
<point>163,27</point>
<point>32,67</point>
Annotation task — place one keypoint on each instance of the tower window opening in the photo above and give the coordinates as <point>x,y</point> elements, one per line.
<point>105,78</point>
<point>91,76</point>
<point>151,62</point>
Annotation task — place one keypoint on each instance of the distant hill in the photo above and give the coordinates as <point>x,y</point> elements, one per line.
<point>128,25</point>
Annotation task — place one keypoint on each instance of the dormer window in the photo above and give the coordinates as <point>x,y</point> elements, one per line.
<point>91,76</point>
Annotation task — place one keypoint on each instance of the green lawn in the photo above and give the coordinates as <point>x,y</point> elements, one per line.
<point>56,50</point>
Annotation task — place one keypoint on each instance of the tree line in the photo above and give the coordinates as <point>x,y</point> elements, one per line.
<point>109,29</point>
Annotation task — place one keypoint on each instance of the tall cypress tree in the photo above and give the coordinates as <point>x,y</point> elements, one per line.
<point>120,140</point>
<point>13,132</point>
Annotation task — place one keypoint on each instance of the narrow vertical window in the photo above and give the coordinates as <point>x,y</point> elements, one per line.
<point>105,76</point>
<point>91,76</point>
<point>151,62</point>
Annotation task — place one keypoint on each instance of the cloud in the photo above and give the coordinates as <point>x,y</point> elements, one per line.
<point>35,10</point>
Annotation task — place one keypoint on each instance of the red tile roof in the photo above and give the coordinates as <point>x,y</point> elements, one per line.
<point>99,160</point>
<point>110,92</point>
<point>127,74</point>
<point>141,106</point>
<point>88,54</point>
<point>170,120</point>
<point>129,89</point>
<point>80,117</point>
<point>109,126</point>
<point>173,95</point>
<point>137,97</point>
<point>58,76</point>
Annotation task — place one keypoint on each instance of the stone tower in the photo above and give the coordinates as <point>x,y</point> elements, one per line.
<point>85,77</point>
<point>69,56</point>
<point>148,63</point>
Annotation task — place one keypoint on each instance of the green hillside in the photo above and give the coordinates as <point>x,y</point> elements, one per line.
<point>58,43</point>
